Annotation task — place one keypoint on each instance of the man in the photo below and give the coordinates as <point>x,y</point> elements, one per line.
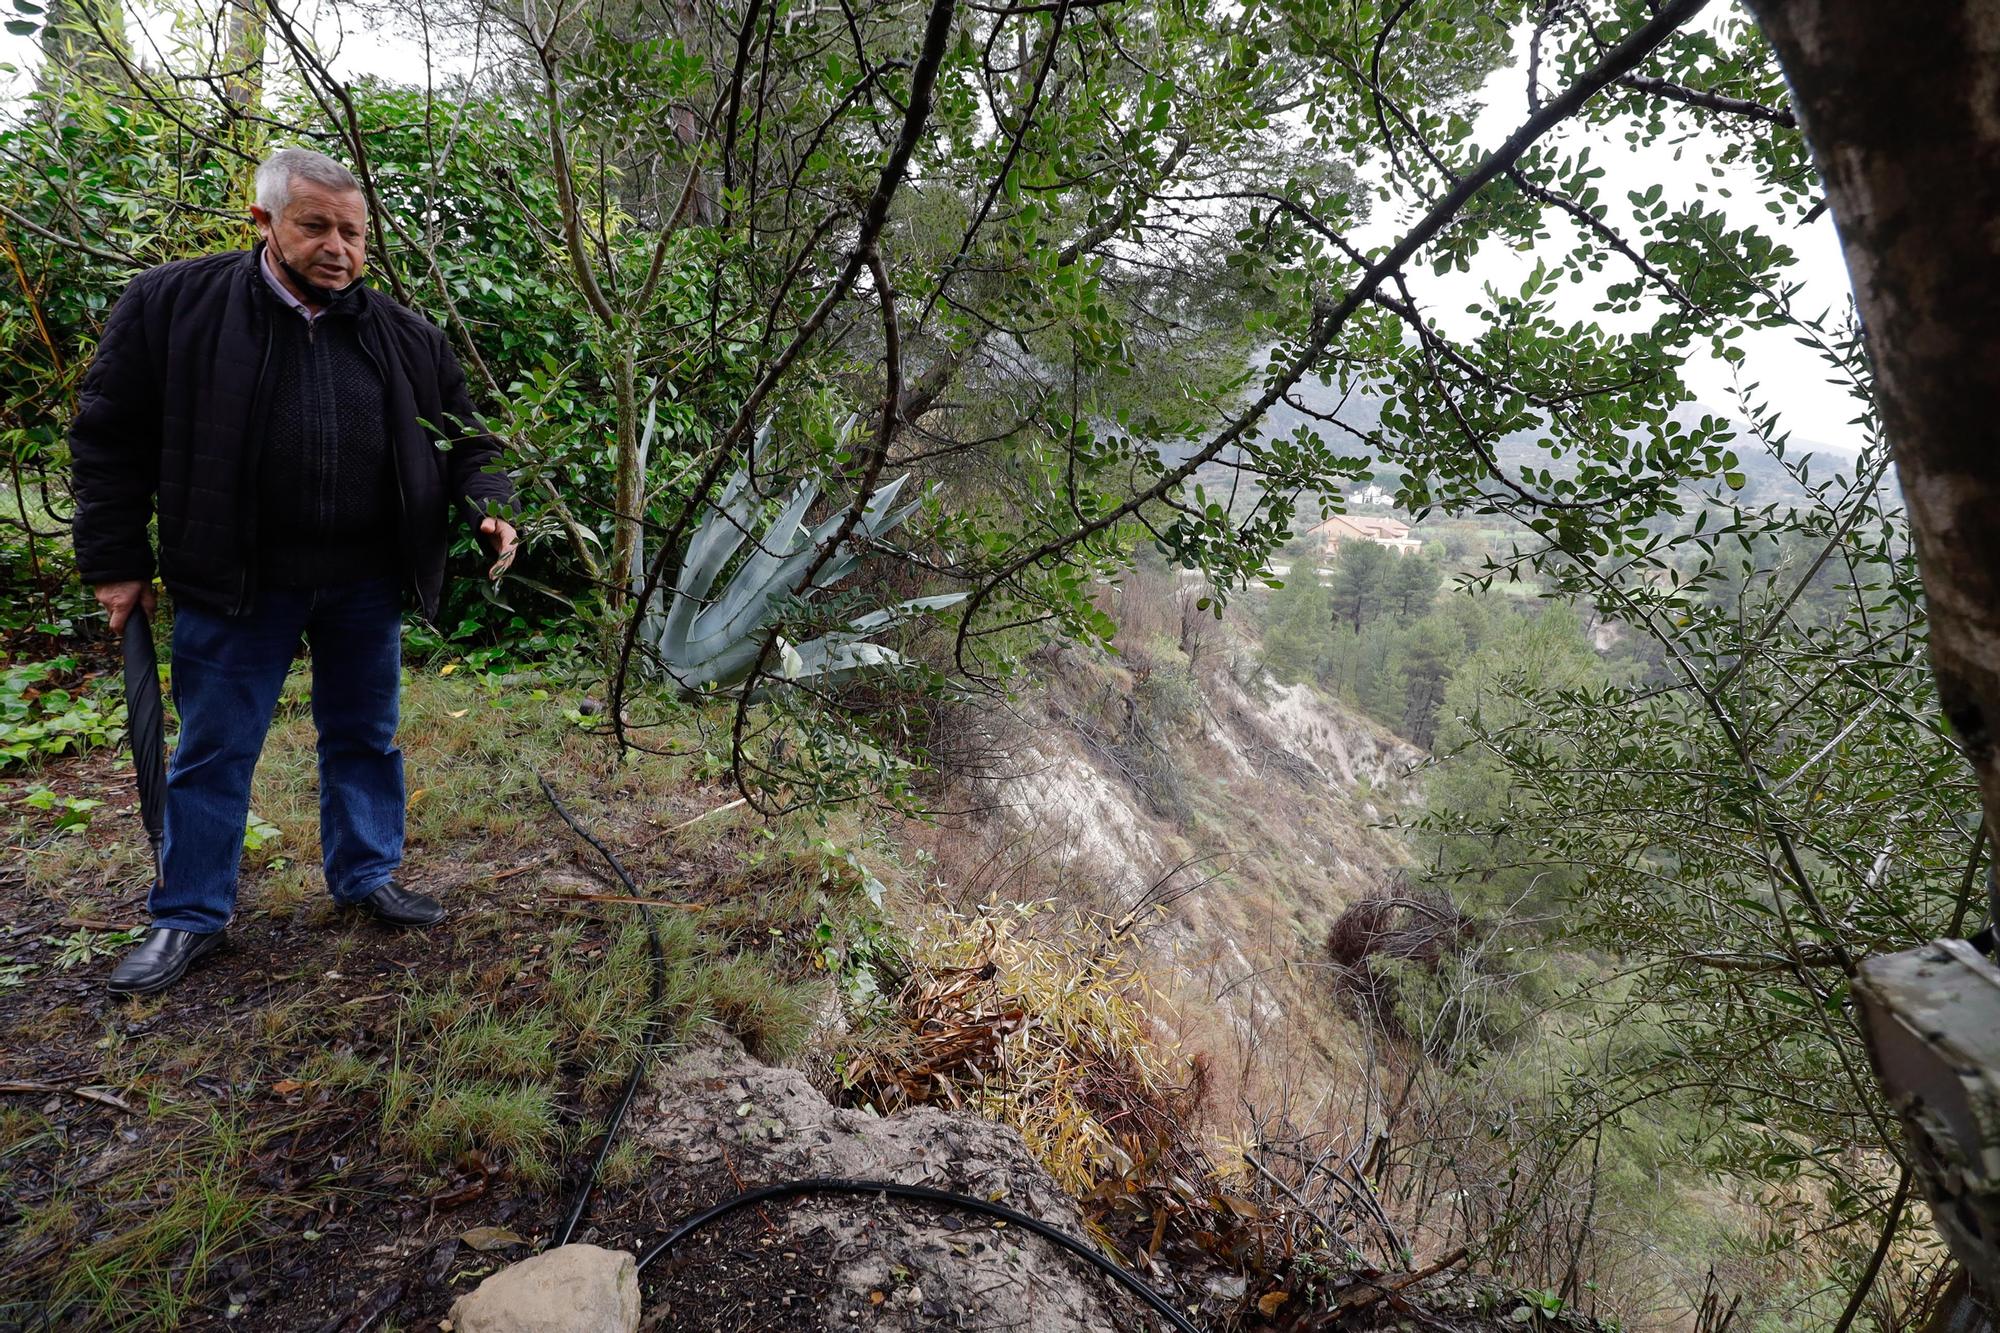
<point>303,439</point>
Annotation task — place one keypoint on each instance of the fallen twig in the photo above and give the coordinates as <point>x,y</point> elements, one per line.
<point>99,923</point>
<point>89,1094</point>
<point>521,869</point>
<point>706,813</point>
<point>628,898</point>
<point>1372,1290</point>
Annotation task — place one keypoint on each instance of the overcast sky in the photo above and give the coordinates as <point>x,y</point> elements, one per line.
<point>1791,377</point>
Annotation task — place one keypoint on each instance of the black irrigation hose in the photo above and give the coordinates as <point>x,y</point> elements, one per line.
<point>794,1188</point>
<point>574,1213</point>
<point>923,1194</point>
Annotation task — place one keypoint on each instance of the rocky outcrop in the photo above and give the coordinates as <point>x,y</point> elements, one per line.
<point>907,1267</point>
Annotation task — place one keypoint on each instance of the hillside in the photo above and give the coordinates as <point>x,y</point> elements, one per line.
<point>1127,924</point>
<point>1221,823</point>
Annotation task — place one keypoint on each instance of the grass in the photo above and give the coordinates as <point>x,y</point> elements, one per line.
<point>196,1206</point>
<point>476,1056</point>
<point>625,1163</point>
<point>499,1045</point>
<point>475,1060</point>
<point>513,1122</point>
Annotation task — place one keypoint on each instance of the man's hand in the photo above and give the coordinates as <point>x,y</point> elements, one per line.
<point>499,534</point>
<point>120,598</point>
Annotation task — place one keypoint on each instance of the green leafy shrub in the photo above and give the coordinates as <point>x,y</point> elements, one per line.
<point>38,719</point>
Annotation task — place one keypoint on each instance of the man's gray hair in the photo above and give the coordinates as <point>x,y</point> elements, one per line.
<point>280,169</point>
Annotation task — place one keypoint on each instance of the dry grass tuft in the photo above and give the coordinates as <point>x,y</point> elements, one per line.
<point>1040,1029</point>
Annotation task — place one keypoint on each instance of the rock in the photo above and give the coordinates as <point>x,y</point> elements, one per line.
<point>900,1266</point>
<point>571,1289</point>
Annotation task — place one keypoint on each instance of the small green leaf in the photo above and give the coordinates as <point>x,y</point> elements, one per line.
<point>260,832</point>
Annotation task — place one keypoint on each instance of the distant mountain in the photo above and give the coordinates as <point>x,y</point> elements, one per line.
<point>1765,481</point>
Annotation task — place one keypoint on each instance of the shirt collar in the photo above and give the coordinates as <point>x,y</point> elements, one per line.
<point>284,292</point>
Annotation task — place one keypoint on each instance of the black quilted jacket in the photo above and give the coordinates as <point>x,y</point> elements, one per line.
<point>172,410</point>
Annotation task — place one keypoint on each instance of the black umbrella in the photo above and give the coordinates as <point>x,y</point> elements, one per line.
<point>145,725</point>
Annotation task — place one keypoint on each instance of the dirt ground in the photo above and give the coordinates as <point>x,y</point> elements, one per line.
<point>219,1155</point>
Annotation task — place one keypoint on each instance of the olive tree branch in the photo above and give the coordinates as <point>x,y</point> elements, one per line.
<point>1327,320</point>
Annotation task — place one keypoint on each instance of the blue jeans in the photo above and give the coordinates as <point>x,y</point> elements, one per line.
<point>227,671</point>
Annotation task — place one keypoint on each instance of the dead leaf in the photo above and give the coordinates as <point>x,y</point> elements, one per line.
<point>460,713</point>
<point>461,1196</point>
<point>1269,1302</point>
<point>286,1086</point>
<point>488,1239</point>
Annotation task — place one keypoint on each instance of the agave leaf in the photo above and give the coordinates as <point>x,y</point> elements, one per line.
<point>895,518</point>
<point>890,519</point>
<point>780,541</point>
<point>876,621</point>
<point>652,622</point>
<point>645,450</point>
<point>763,577</point>
<point>731,617</point>
<point>826,663</point>
<point>722,670</point>
<point>646,432</point>
<point>720,533</point>
<point>847,650</point>
<point>831,653</point>
<point>837,568</point>
<point>882,502</point>
<point>722,527</point>
<point>710,640</point>
<point>846,559</point>
<point>835,655</point>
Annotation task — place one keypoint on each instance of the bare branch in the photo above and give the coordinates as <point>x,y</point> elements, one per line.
<point>1708,101</point>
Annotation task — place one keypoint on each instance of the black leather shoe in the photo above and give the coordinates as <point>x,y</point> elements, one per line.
<point>160,959</point>
<point>395,905</point>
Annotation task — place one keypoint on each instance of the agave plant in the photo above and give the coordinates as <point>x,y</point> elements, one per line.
<point>707,638</point>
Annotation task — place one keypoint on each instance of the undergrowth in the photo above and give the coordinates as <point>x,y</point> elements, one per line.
<point>303,1086</point>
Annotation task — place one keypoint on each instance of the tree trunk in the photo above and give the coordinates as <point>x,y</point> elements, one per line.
<point>1958,1310</point>
<point>243,57</point>
<point>631,485</point>
<point>1901,106</point>
<point>1902,109</point>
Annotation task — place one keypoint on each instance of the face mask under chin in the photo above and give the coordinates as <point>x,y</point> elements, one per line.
<point>312,291</point>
